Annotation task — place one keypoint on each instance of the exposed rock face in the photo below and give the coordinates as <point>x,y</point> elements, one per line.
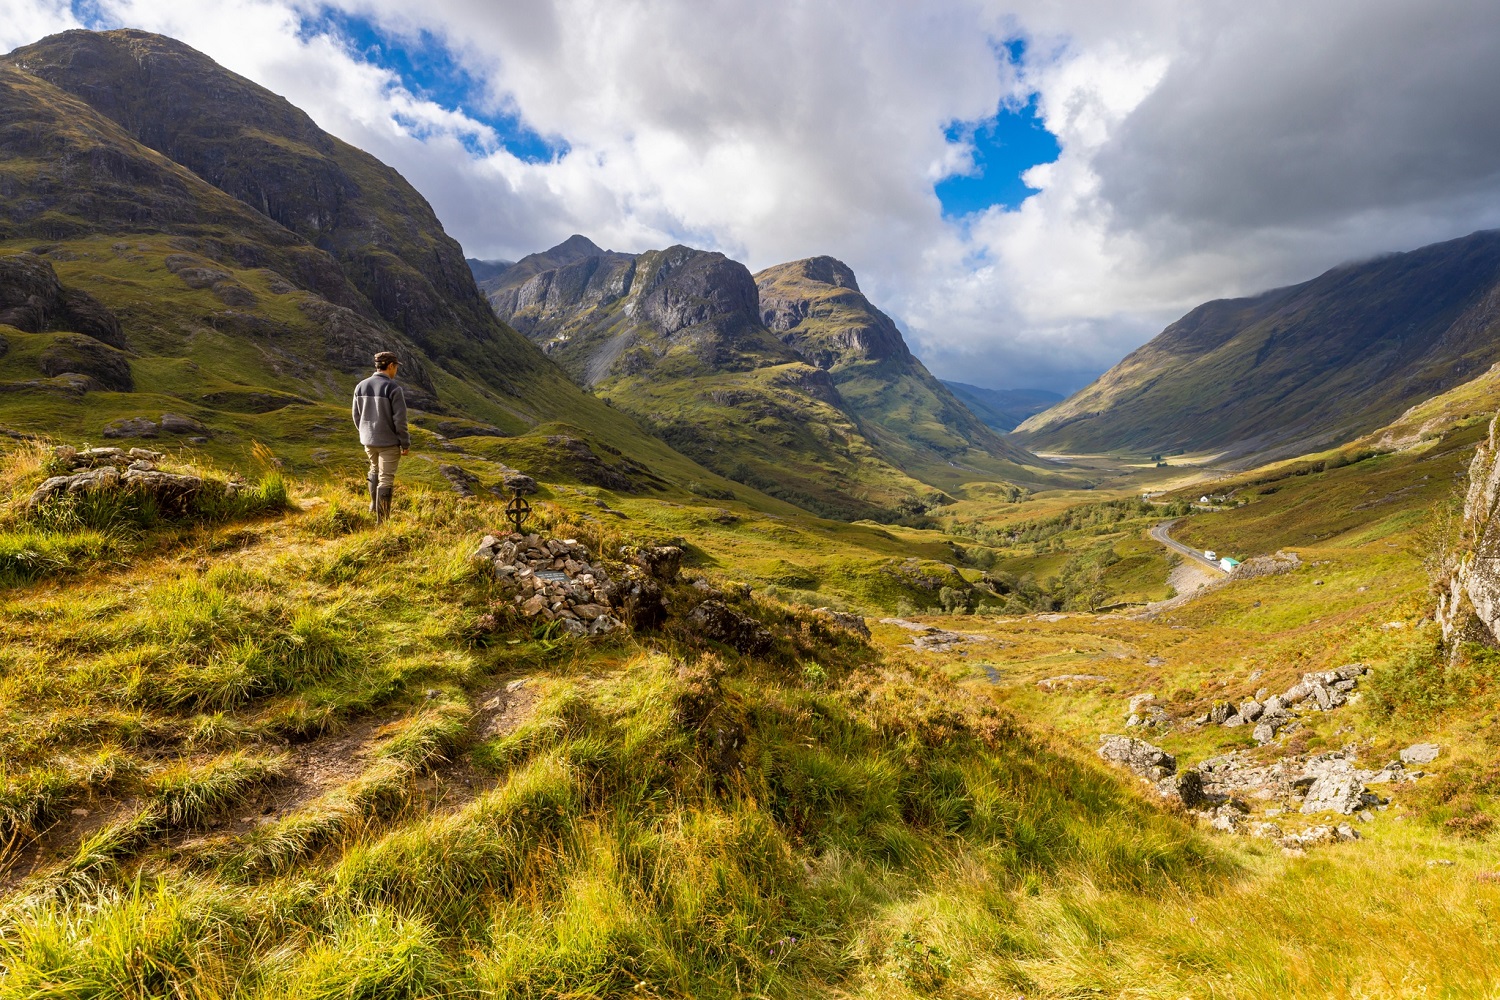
<point>109,367</point>
<point>34,300</point>
<point>789,296</point>
<point>1469,602</point>
<point>132,471</point>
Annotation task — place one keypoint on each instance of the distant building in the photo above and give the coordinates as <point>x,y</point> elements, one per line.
<point>1227,564</point>
<point>1203,499</point>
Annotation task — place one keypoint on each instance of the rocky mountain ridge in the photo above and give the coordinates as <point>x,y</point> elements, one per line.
<point>775,379</point>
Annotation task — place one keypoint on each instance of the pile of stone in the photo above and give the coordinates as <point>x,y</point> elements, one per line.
<point>1320,691</point>
<point>553,579</point>
<point>116,469</point>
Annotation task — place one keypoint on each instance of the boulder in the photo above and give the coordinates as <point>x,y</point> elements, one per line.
<point>128,427</point>
<point>175,423</point>
<point>1250,710</point>
<point>516,482</point>
<point>1420,753</point>
<point>1190,789</point>
<point>1335,787</point>
<point>847,622</point>
<point>662,562</point>
<point>1139,756</point>
<point>718,622</point>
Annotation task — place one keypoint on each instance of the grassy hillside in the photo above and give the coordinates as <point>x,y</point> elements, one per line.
<point>1297,368</point>
<point>285,753</point>
<point>250,265</point>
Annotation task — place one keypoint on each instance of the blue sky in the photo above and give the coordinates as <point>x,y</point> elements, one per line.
<point>428,69</point>
<point>1005,147</point>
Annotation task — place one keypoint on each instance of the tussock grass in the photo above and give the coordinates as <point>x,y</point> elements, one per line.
<point>188,795</point>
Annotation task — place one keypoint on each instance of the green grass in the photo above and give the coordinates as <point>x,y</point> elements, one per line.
<point>833,818</point>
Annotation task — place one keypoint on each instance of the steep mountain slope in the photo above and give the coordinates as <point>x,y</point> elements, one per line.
<point>1297,367</point>
<point>250,262</point>
<point>1002,409</point>
<point>793,384</point>
<point>817,309</point>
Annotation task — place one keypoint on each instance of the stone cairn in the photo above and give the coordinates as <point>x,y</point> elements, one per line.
<point>553,579</point>
<point>116,469</point>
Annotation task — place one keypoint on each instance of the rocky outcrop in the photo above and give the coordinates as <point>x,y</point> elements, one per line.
<point>719,622</point>
<point>1318,691</point>
<point>1137,755</point>
<point>134,471</point>
<point>825,289</point>
<point>32,299</point>
<point>1469,574</point>
<point>846,621</point>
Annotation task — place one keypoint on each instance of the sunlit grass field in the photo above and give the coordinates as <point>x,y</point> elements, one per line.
<point>279,753</point>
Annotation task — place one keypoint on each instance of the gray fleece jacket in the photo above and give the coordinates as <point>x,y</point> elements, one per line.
<point>380,412</point>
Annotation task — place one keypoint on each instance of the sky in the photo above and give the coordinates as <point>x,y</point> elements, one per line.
<point>1031,188</point>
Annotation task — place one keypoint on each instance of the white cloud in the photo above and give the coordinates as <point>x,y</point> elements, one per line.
<point>23,21</point>
<point>1207,149</point>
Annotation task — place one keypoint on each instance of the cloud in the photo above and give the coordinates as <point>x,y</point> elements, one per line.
<point>24,21</point>
<point>1206,150</point>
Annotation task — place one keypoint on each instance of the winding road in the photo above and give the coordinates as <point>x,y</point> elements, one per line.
<point>1159,532</point>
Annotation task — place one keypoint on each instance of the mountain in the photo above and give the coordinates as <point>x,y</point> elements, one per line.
<point>816,308</point>
<point>483,270</point>
<point>1002,409</point>
<point>781,380</point>
<point>1295,368</point>
<point>248,264</point>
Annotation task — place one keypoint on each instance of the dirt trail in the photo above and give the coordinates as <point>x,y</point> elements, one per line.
<point>315,768</point>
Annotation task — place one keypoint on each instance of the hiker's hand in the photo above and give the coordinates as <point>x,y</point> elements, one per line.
<point>406,451</point>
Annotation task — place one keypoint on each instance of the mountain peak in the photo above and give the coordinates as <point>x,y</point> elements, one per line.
<point>574,247</point>
<point>824,270</point>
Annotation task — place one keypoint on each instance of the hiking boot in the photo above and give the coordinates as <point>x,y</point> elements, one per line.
<point>374,481</point>
<point>383,503</point>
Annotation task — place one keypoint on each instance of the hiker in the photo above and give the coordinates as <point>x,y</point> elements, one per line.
<point>380,415</point>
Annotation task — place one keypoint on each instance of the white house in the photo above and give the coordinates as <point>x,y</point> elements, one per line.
<point>1228,563</point>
